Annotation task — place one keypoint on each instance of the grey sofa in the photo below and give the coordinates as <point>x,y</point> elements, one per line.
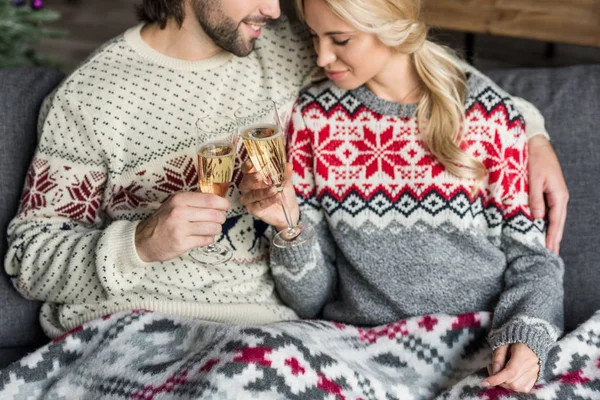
<point>568,97</point>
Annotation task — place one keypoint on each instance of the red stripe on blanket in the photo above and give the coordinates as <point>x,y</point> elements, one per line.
<point>470,320</point>
<point>254,355</point>
<point>71,332</point>
<point>494,393</point>
<point>295,366</point>
<point>208,366</point>
<point>574,378</point>
<point>149,391</point>
<point>330,386</point>
<point>428,323</point>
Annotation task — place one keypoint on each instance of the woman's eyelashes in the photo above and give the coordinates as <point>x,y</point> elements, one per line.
<point>340,42</point>
<point>344,42</point>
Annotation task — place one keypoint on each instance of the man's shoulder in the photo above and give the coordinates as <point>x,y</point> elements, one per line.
<point>285,36</point>
<point>113,54</point>
<point>284,25</point>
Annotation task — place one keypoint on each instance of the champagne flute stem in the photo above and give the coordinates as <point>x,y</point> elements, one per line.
<point>286,213</point>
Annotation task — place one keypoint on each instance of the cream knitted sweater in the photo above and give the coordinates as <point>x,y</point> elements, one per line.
<point>116,140</point>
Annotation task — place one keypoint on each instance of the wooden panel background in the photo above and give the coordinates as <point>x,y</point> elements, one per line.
<point>561,21</point>
<point>90,23</point>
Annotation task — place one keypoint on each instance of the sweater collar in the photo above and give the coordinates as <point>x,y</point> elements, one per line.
<point>134,39</point>
<point>364,95</point>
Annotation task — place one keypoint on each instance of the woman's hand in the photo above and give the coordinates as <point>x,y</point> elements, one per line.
<point>518,373</point>
<point>546,178</point>
<point>262,200</point>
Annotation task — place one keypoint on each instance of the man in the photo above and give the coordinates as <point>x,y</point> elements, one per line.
<point>110,210</point>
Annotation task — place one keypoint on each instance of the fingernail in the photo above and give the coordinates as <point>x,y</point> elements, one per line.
<point>496,368</point>
<point>537,214</point>
<point>485,384</point>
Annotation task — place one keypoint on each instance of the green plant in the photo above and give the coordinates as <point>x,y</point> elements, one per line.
<point>20,29</point>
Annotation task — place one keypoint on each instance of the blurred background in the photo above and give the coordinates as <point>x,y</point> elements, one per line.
<point>490,33</point>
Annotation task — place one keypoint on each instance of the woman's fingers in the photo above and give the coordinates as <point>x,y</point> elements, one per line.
<point>522,366</point>
<point>258,195</point>
<point>498,359</point>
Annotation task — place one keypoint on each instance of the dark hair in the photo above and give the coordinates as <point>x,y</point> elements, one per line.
<point>159,11</point>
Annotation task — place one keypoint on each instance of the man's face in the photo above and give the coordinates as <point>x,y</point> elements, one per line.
<point>235,25</point>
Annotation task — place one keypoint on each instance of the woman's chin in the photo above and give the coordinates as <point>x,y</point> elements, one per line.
<point>347,85</point>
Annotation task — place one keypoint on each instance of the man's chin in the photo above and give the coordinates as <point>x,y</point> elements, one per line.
<point>244,48</point>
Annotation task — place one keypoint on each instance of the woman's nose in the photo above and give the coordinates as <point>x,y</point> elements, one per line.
<point>325,55</point>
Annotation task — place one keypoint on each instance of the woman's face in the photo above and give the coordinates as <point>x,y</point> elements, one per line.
<point>351,58</point>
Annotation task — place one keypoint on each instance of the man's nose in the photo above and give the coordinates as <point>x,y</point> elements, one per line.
<point>271,9</point>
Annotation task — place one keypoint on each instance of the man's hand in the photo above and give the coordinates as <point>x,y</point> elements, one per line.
<point>185,221</point>
<point>262,200</point>
<point>546,178</point>
<point>519,373</point>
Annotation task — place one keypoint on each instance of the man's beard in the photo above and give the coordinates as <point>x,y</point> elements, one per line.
<point>222,29</point>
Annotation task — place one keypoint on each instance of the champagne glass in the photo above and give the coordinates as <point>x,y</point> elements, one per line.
<point>264,139</point>
<point>216,149</point>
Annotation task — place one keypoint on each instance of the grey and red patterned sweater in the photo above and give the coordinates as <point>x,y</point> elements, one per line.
<point>398,236</point>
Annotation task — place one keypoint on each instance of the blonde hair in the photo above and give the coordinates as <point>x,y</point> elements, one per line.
<point>440,111</point>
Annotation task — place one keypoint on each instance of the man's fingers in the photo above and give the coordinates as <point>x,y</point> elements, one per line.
<point>557,217</point>
<point>204,229</point>
<point>193,214</point>
<point>199,200</point>
<point>536,197</point>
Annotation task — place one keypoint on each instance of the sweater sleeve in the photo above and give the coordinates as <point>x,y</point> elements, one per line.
<point>305,275</point>
<point>62,247</point>
<point>530,308</point>
<point>534,120</point>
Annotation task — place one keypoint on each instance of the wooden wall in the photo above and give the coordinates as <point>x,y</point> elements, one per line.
<point>562,21</point>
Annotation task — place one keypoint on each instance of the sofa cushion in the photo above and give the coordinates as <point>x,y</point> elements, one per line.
<point>569,99</point>
<point>21,93</point>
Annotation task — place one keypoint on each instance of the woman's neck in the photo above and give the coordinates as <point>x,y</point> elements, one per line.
<point>398,81</point>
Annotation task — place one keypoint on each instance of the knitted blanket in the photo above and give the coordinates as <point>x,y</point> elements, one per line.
<point>147,355</point>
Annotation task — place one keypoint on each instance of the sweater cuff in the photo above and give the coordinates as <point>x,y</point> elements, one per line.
<point>119,237</point>
<point>536,337</point>
<point>294,258</point>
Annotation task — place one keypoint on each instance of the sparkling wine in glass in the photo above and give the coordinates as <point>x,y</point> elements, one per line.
<point>264,139</point>
<point>216,140</point>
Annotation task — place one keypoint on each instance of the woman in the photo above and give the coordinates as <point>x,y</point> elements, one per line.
<point>413,170</point>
